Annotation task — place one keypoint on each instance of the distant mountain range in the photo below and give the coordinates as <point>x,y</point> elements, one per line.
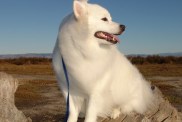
<point>28,55</point>
<point>49,55</point>
<point>177,54</point>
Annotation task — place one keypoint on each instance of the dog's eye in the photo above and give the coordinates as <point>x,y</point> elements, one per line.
<point>104,19</point>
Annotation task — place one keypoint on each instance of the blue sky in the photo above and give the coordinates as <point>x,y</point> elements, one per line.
<point>31,26</point>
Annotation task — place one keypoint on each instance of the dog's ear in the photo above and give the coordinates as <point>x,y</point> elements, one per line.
<point>79,8</point>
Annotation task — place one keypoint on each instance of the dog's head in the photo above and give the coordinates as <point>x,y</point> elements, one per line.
<point>98,21</point>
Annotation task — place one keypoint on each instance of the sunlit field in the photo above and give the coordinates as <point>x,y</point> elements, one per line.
<point>39,97</point>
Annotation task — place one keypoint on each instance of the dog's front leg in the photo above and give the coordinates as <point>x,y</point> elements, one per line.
<point>73,109</point>
<point>76,103</point>
<point>93,107</point>
<point>73,113</point>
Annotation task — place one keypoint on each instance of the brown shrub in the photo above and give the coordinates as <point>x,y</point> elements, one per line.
<point>26,61</point>
<point>155,59</point>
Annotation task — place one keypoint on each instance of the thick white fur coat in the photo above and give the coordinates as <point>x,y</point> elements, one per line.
<point>102,79</point>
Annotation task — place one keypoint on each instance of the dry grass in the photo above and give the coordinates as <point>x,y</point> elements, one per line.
<point>160,69</point>
<point>37,69</point>
<point>29,94</point>
<point>46,69</point>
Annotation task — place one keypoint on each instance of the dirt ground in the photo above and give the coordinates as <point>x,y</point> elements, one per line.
<point>39,97</point>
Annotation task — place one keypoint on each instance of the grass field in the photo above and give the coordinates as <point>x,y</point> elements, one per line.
<point>37,69</point>
<point>39,97</point>
<point>160,69</point>
<point>46,69</point>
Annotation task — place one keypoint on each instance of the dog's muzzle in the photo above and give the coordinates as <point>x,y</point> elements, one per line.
<point>112,38</point>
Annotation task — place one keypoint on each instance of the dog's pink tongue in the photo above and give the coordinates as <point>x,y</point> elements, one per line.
<point>116,38</point>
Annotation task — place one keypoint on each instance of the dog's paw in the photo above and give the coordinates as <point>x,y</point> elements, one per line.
<point>115,113</point>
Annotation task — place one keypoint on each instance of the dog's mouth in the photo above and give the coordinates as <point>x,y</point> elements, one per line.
<point>112,38</point>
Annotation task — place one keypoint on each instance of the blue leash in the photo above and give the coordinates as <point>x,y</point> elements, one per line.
<point>68,85</point>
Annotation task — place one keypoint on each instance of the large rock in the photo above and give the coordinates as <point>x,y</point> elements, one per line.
<point>8,110</point>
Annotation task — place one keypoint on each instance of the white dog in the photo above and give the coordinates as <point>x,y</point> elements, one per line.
<point>102,80</point>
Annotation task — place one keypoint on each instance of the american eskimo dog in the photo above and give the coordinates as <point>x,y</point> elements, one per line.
<point>102,80</point>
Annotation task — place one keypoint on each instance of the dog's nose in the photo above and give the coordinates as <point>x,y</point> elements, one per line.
<point>122,27</point>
